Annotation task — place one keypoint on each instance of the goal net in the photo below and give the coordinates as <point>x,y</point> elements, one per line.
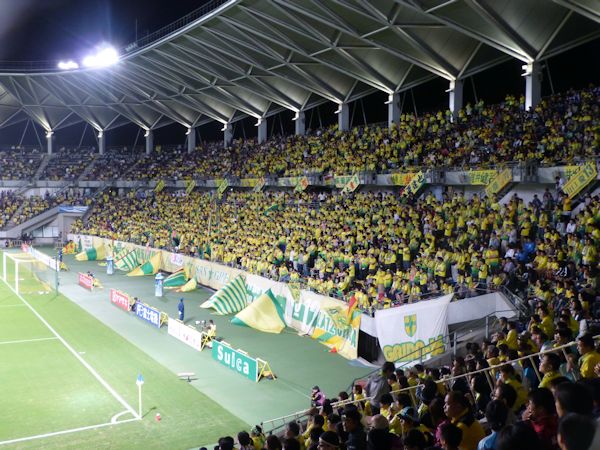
<point>27,275</point>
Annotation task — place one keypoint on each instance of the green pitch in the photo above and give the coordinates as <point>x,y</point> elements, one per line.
<point>68,381</point>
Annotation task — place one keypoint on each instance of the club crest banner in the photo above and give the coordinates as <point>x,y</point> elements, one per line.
<point>404,330</point>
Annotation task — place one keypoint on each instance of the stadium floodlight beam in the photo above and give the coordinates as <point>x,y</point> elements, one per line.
<point>104,57</point>
<point>68,65</point>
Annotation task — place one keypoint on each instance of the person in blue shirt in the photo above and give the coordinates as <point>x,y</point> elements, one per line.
<point>181,309</point>
<point>495,414</point>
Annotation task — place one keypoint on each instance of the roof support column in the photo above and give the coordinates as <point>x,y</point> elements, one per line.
<point>455,97</point>
<point>49,139</point>
<point>343,113</point>
<point>300,123</point>
<point>533,84</point>
<point>393,109</point>
<point>227,134</point>
<point>191,140</point>
<point>101,142</point>
<point>149,135</point>
<point>262,130</point>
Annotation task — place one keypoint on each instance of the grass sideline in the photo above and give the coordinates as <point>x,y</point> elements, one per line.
<point>47,390</point>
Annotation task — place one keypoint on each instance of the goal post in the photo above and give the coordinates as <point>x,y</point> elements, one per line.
<point>27,275</point>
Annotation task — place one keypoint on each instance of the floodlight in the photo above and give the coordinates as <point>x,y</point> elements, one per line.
<point>390,99</point>
<point>258,122</point>
<point>100,134</point>
<point>224,127</point>
<point>527,69</point>
<point>339,110</point>
<point>68,65</point>
<point>296,116</point>
<point>188,132</point>
<point>105,56</point>
<point>147,133</point>
<point>49,133</point>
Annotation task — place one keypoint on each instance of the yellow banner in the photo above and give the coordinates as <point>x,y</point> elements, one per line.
<point>190,185</point>
<point>481,177</point>
<point>259,185</point>
<point>414,185</point>
<point>499,183</point>
<point>159,186</point>
<point>569,171</point>
<point>224,185</point>
<point>402,179</point>
<point>581,179</point>
<point>249,182</point>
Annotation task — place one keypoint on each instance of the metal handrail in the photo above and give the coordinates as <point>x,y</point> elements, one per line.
<point>304,413</point>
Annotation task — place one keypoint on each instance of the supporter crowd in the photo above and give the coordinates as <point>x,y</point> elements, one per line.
<point>377,246</point>
<point>19,163</point>
<point>561,129</point>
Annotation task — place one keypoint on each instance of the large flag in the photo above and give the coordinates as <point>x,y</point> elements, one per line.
<point>270,209</point>
<point>263,314</point>
<point>93,254</point>
<point>126,260</point>
<point>189,286</point>
<point>230,299</point>
<point>176,279</point>
<point>150,267</point>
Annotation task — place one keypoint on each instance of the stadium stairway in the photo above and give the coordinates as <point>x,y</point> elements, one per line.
<point>43,164</point>
<point>45,218</point>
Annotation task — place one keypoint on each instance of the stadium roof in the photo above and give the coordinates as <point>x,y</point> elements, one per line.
<point>240,58</point>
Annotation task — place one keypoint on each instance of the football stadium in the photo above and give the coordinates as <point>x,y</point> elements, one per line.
<point>300,225</point>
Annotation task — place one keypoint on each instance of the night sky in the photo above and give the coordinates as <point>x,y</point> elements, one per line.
<point>53,30</point>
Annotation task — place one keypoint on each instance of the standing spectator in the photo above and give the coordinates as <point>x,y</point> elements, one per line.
<point>377,385</point>
<point>181,309</point>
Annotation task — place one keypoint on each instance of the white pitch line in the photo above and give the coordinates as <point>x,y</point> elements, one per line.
<point>22,341</point>
<point>11,306</point>
<point>116,416</point>
<point>96,375</point>
<point>73,430</point>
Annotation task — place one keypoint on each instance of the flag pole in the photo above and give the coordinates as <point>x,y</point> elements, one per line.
<point>139,382</point>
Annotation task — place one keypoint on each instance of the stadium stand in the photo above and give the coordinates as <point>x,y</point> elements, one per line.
<point>386,250</point>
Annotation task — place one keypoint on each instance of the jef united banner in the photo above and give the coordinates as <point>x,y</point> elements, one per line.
<point>414,185</point>
<point>581,179</point>
<point>405,330</point>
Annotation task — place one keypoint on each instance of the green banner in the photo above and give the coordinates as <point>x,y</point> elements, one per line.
<point>236,360</point>
<point>481,177</point>
<point>302,184</point>
<point>499,183</point>
<point>581,179</point>
<point>415,184</point>
<point>159,186</point>
<point>351,185</point>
